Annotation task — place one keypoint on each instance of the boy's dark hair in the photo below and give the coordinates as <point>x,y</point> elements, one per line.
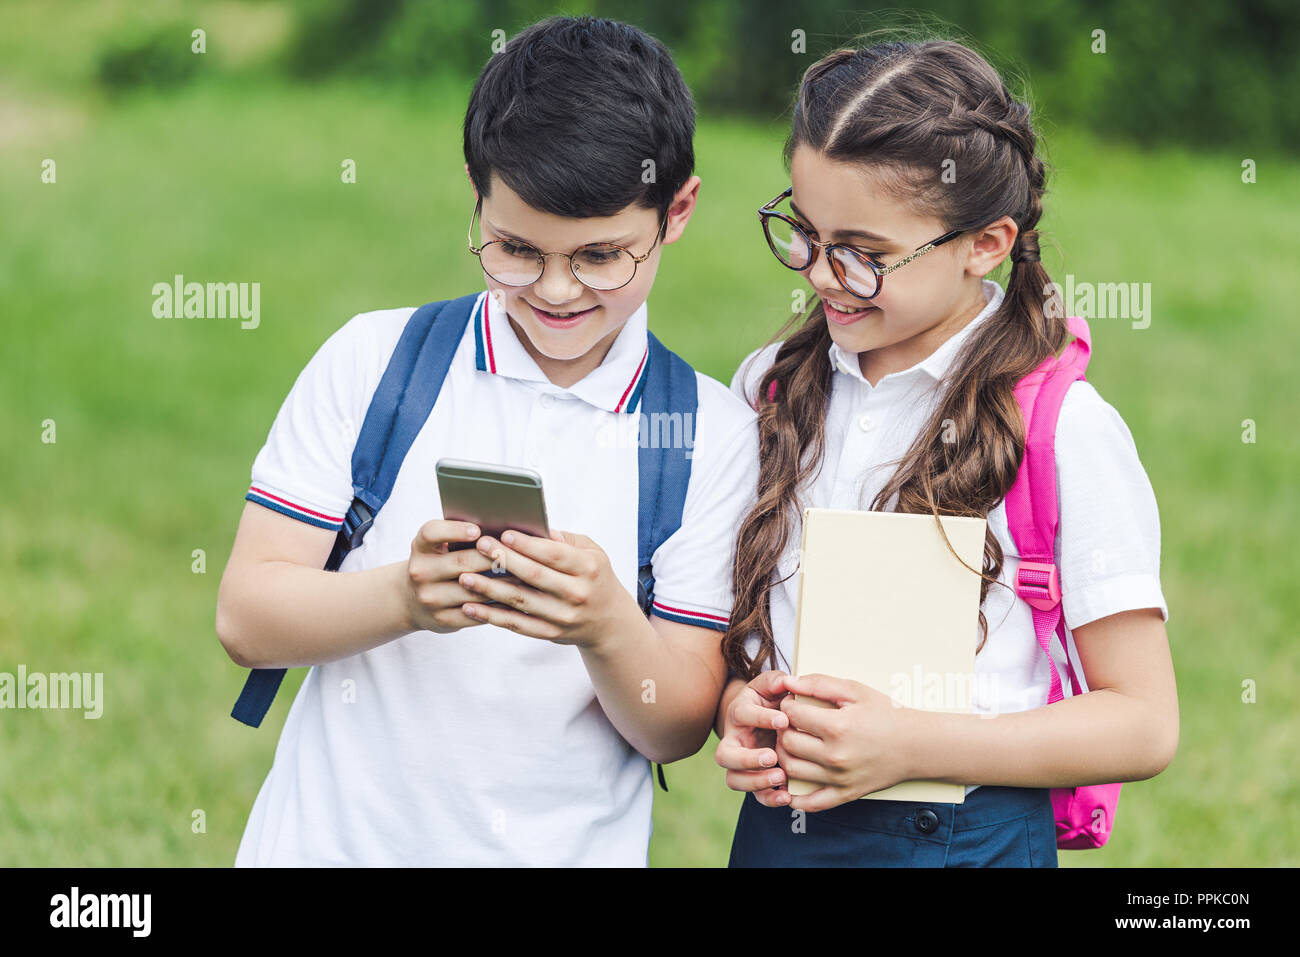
<point>570,110</point>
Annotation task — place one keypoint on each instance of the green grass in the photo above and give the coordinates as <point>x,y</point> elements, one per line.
<point>158,422</point>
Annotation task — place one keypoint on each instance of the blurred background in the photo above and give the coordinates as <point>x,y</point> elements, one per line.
<point>133,149</point>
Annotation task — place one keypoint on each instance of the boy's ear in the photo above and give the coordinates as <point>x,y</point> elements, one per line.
<point>471,182</point>
<point>680,210</point>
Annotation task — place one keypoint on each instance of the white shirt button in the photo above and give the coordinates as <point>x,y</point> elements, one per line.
<point>547,400</point>
<point>866,423</point>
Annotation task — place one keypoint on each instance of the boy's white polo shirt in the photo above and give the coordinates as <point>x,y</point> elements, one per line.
<point>482,747</point>
<point>1108,542</point>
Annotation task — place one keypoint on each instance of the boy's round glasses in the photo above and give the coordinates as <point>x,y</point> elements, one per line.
<point>599,266</point>
<point>856,272</point>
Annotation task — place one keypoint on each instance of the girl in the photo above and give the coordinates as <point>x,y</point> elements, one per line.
<point>914,175</point>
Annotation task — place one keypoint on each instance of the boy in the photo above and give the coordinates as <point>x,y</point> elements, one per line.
<point>433,727</point>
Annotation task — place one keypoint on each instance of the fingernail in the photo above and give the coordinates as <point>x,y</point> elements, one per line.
<point>767,761</point>
<point>774,780</point>
<point>471,531</point>
<point>508,538</point>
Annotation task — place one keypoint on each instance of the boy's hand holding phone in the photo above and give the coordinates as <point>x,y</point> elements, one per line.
<point>747,748</point>
<point>432,594</point>
<point>566,590</point>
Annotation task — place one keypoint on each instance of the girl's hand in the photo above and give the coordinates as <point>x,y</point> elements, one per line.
<point>567,591</point>
<point>746,748</point>
<point>853,745</point>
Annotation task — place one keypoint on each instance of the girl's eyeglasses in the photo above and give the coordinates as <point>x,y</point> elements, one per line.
<point>856,272</point>
<point>600,266</point>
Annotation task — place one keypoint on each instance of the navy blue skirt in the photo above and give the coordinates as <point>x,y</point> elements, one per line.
<point>995,827</point>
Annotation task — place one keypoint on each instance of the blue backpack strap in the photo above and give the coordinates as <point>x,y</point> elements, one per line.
<point>663,473</point>
<point>398,410</point>
<point>670,388</point>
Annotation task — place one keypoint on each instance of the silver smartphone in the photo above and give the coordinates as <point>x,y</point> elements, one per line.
<point>496,498</point>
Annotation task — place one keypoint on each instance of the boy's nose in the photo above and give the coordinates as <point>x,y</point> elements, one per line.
<point>557,284</point>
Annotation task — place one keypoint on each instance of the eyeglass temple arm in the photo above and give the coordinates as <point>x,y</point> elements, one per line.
<point>469,232</point>
<point>659,235</point>
<point>768,206</point>
<point>920,251</point>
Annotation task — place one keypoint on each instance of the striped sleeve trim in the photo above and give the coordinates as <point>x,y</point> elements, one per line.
<point>276,503</point>
<point>700,619</point>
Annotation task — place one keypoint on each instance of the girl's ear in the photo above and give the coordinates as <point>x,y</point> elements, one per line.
<point>992,245</point>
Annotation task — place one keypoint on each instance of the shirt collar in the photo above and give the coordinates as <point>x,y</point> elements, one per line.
<point>615,385</point>
<point>937,363</point>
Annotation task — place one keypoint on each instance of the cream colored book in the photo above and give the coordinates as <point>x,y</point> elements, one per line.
<point>884,602</point>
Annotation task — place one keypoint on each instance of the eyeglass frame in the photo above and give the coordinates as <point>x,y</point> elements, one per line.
<point>636,260</point>
<point>768,209</point>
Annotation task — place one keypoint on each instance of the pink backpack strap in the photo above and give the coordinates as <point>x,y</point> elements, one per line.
<point>1031,506</point>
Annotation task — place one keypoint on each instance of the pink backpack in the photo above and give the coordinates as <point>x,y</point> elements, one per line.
<point>1084,815</point>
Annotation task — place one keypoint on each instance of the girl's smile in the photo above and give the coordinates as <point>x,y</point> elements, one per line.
<point>846,316</point>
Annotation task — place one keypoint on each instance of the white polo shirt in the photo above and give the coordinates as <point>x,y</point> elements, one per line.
<point>482,747</point>
<point>1108,543</point>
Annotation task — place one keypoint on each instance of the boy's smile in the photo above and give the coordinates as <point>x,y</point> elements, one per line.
<point>566,320</point>
<point>566,326</point>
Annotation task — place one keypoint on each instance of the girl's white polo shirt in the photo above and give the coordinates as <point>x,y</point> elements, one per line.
<point>483,747</point>
<point>1108,543</point>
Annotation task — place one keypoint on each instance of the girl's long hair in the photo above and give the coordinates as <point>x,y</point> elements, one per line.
<point>904,109</point>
